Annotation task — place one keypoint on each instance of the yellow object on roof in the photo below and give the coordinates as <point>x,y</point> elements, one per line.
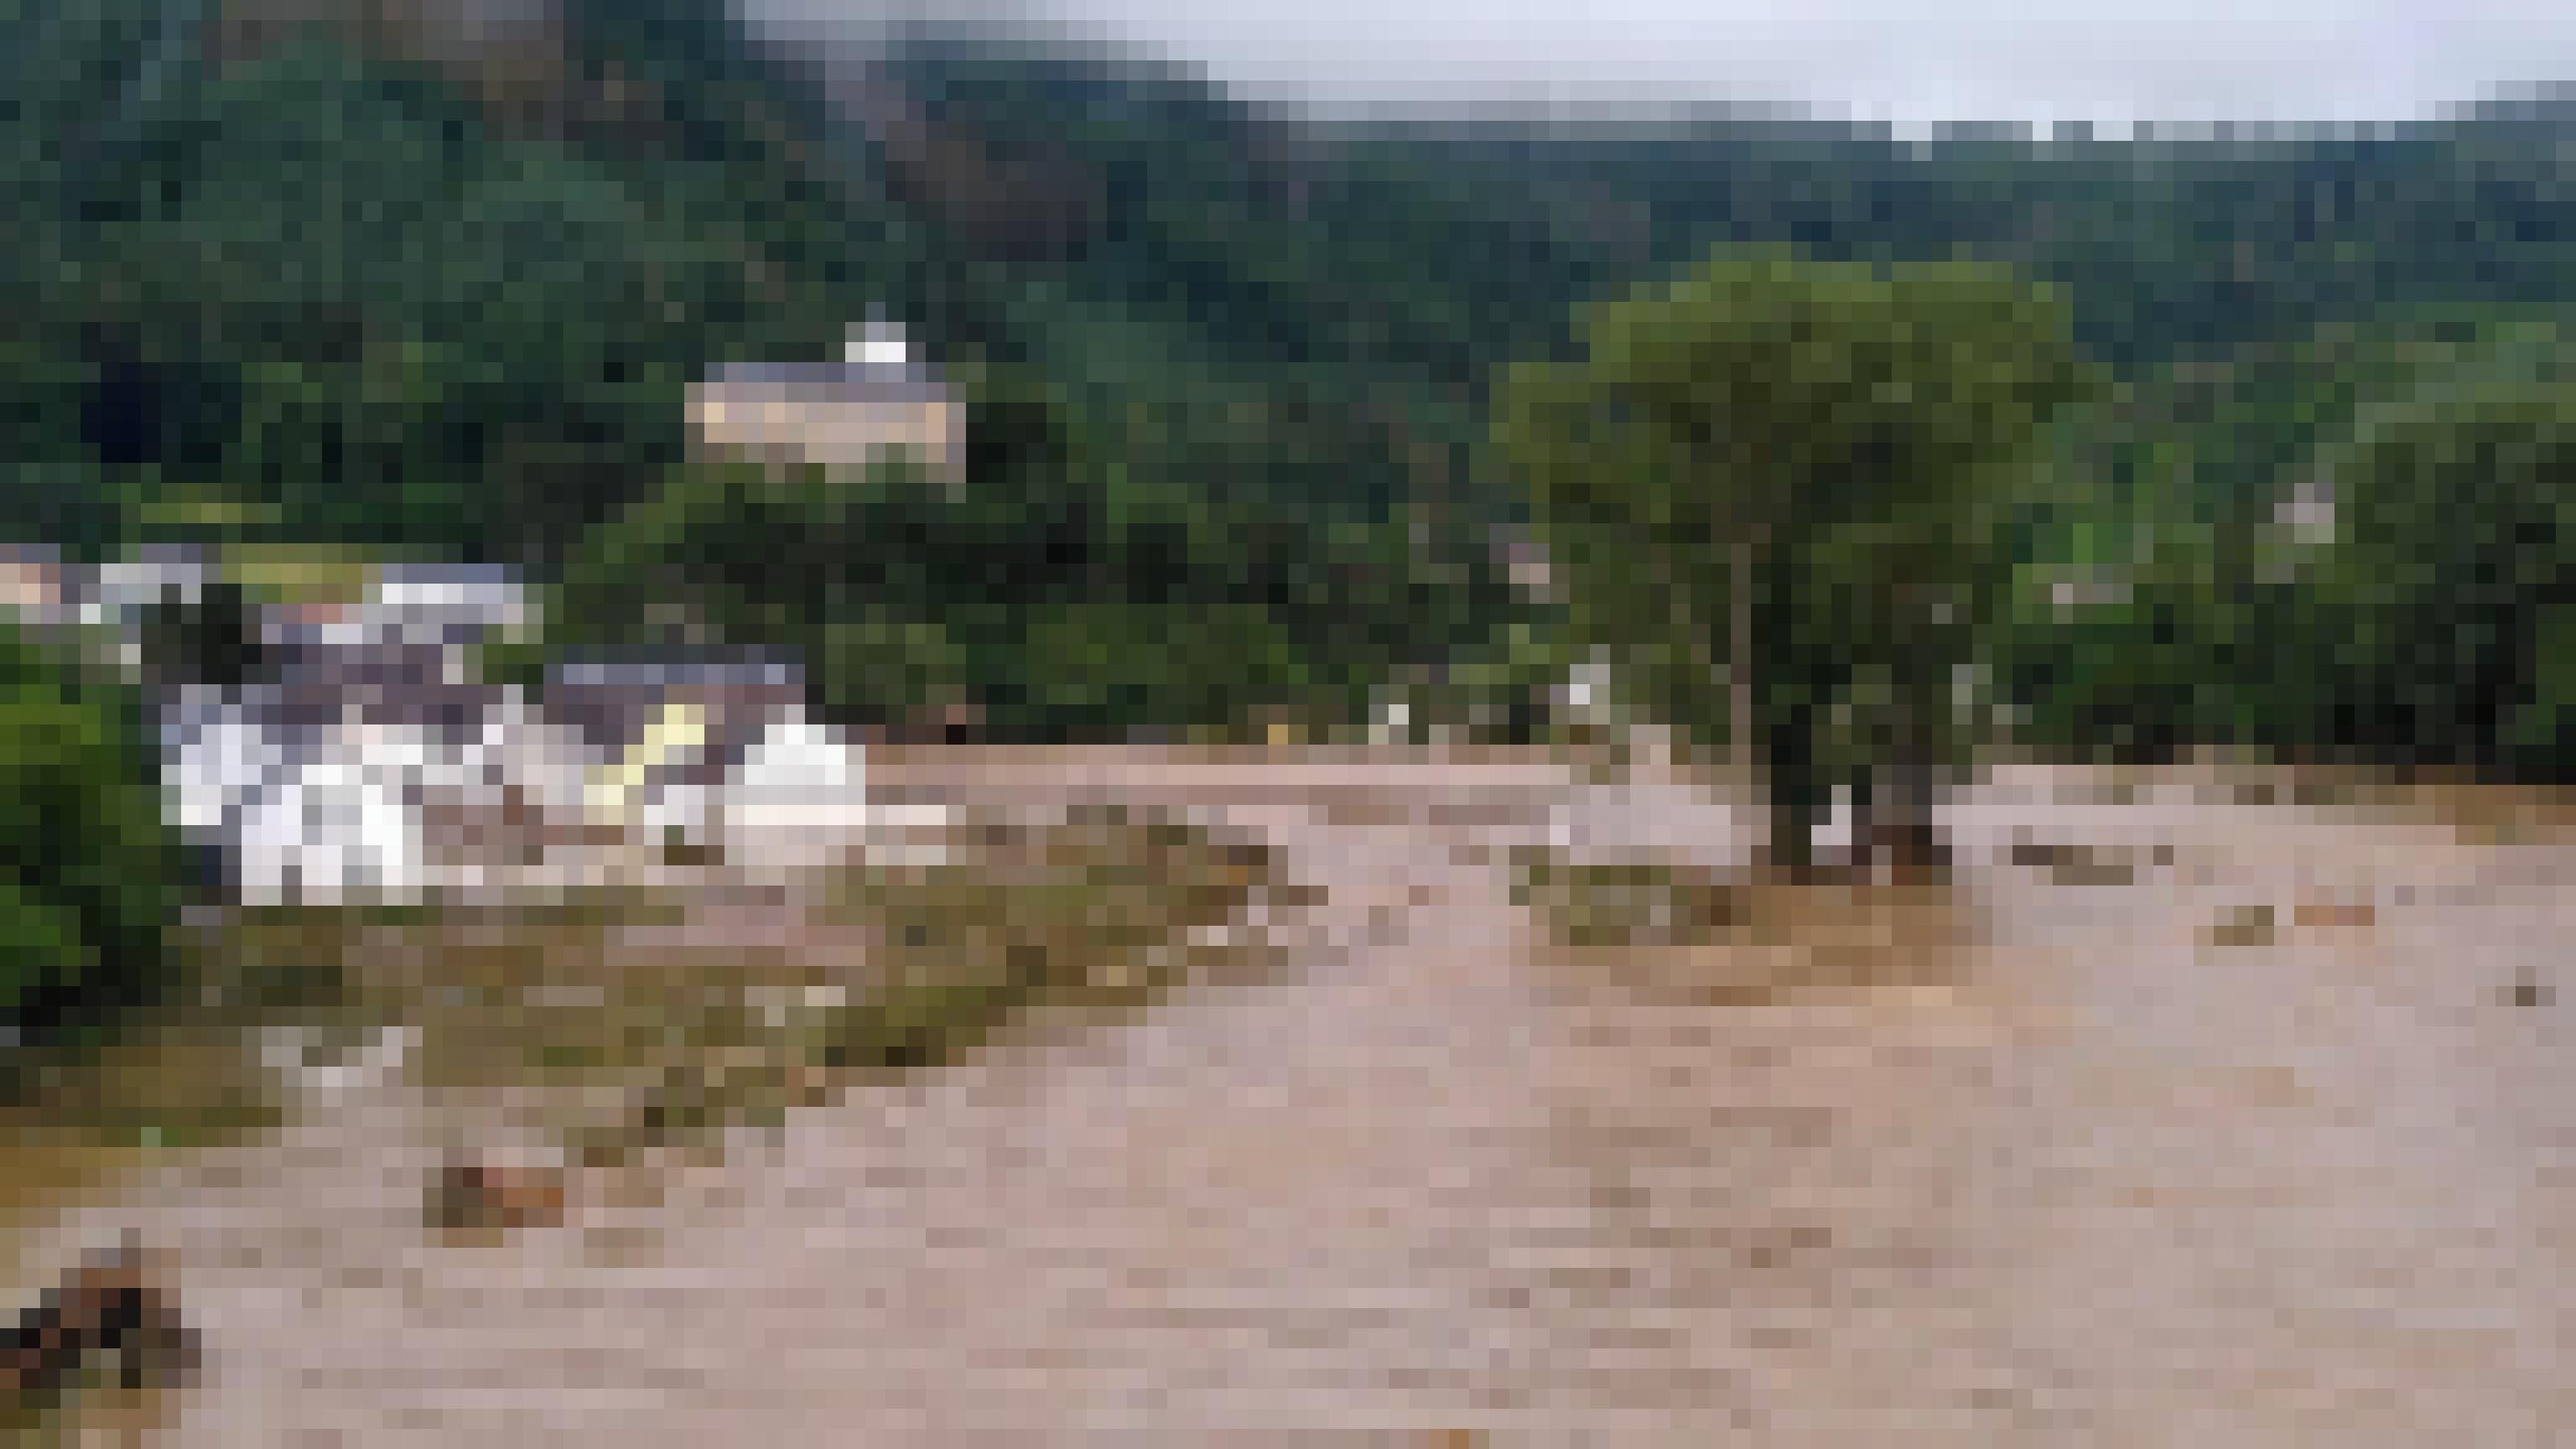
<point>681,727</point>
<point>299,573</point>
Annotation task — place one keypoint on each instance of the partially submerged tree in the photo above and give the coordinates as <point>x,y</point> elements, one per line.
<point>1797,467</point>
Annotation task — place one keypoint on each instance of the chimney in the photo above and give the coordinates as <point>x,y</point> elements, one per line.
<point>879,344</point>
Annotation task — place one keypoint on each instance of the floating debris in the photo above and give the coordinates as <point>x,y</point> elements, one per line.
<point>296,1058</point>
<point>2081,865</point>
<point>118,1303</point>
<point>2324,915</point>
<point>2244,926</point>
<point>483,1198</point>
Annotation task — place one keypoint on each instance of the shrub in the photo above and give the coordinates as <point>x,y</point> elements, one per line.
<point>86,862</point>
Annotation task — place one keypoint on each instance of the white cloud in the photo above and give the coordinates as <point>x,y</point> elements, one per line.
<point>2192,61</point>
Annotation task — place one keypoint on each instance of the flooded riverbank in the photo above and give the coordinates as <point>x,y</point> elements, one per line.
<point>2100,1173</point>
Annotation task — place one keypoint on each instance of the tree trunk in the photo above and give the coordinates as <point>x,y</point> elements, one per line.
<point>1795,806</point>
<point>1741,745</point>
<point>1907,838</point>
<point>1892,833</point>
<point>1770,762</point>
<point>1796,794</point>
<point>1901,837</point>
<point>1868,830</point>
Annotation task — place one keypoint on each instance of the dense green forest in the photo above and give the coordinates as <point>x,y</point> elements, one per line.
<point>1228,369</point>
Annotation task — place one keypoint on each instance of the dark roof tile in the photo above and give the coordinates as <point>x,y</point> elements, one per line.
<point>836,381</point>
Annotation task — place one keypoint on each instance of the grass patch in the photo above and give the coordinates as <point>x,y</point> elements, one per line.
<point>73,1124</point>
<point>631,1020</point>
<point>1096,916</point>
<point>1627,903</point>
<point>178,1076</point>
<point>1691,934</point>
<point>897,970</point>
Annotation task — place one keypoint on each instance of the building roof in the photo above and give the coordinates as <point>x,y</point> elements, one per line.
<point>677,674</point>
<point>609,705</point>
<point>168,554</point>
<point>475,577</point>
<point>118,586</point>
<point>842,382</point>
<point>34,581</point>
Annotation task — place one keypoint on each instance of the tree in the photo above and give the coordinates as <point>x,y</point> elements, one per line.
<point>213,639</point>
<point>2459,556</point>
<point>2131,679</point>
<point>86,863</point>
<point>1798,467</point>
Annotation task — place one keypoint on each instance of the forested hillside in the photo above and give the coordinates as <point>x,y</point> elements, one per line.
<point>343,272</point>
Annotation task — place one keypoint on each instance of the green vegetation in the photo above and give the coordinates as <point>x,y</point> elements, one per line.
<point>2422,632</point>
<point>87,871</point>
<point>1851,482</point>
<point>1688,935</point>
<point>1799,468</point>
<point>213,639</point>
<point>1627,903</point>
<point>1228,375</point>
<point>696,1015</point>
<point>1090,917</point>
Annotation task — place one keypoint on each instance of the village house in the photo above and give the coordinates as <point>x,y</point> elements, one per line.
<point>34,589</point>
<point>399,658</point>
<point>876,403</point>
<point>119,591</point>
<point>374,762</point>
<point>720,755</point>
<point>662,735</point>
<point>324,778</point>
<point>454,604</point>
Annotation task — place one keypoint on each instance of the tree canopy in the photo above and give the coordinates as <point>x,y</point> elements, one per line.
<point>1831,446</point>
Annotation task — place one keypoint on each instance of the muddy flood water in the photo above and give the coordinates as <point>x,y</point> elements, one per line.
<point>2261,1138</point>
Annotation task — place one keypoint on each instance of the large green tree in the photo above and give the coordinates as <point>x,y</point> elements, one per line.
<point>1797,467</point>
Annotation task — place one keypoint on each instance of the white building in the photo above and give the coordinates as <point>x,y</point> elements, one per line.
<point>331,828</point>
<point>878,400</point>
<point>324,796</point>
<point>330,810</point>
<point>799,799</point>
<point>446,604</point>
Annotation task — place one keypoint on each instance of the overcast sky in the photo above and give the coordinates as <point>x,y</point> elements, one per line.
<point>2169,61</point>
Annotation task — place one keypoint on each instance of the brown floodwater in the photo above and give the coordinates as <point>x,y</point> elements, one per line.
<point>2259,1136</point>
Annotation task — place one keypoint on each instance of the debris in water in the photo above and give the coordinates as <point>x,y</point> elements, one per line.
<point>2321,915</point>
<point>2076,864</point>
<point>478,1197</point>
<point>2243,926</point>
<point>115,1303</point>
